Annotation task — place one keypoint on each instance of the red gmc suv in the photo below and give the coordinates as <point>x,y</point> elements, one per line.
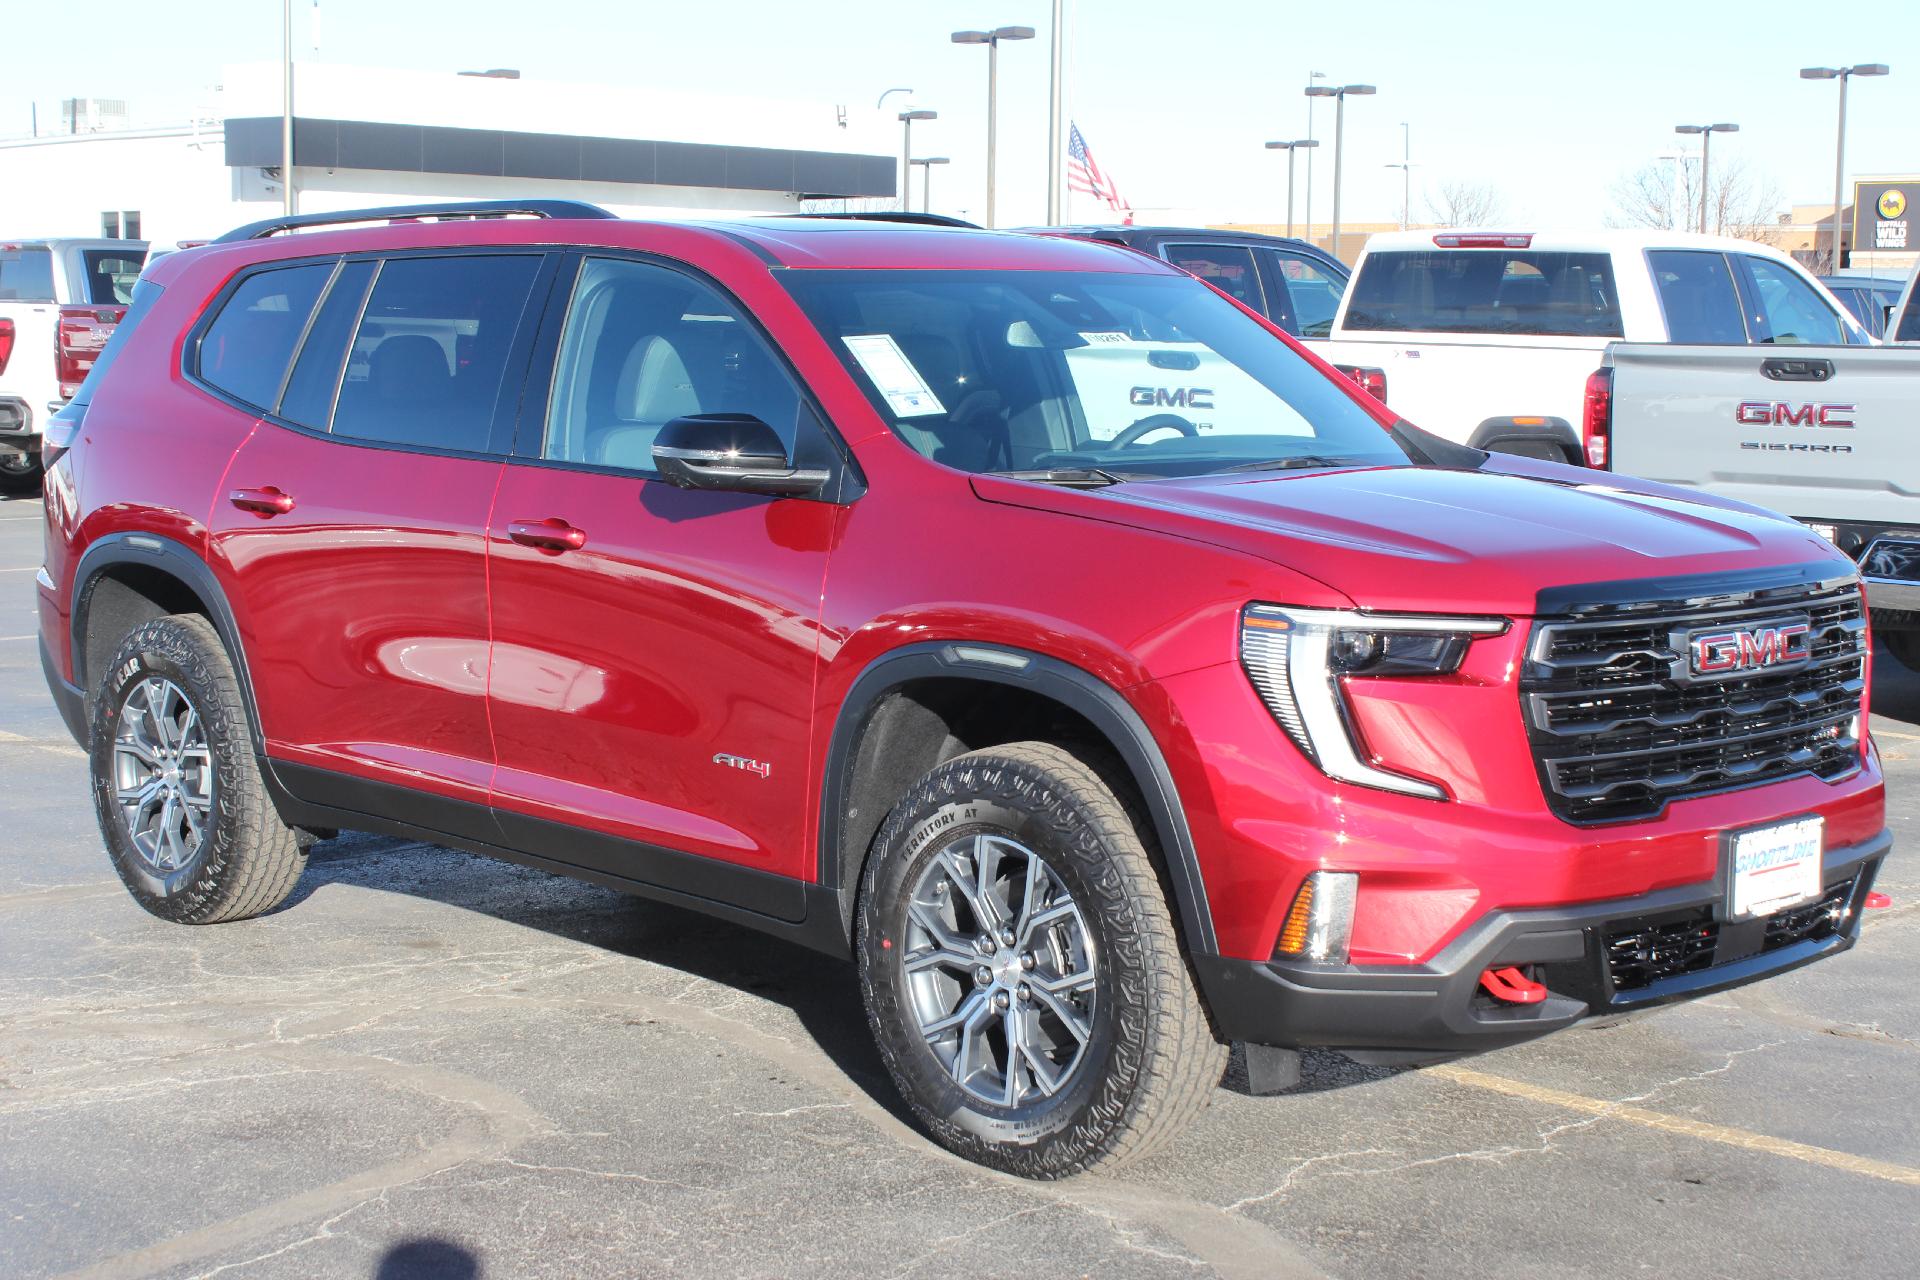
<point>1019,616</point>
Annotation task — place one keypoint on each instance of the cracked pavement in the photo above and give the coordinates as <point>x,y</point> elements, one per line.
<point>432,1064</point>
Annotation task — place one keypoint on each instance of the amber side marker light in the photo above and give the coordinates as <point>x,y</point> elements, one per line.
<point>1319,924</point>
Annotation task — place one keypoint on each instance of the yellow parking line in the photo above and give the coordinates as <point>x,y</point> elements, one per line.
<point>56,746</point>
<point>1888,733</point>
<point>1677,1124</point>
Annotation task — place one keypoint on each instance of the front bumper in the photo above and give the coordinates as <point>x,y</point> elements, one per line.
<point>1437,1008</point>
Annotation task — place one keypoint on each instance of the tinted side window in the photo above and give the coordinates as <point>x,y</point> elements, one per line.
<point>1313,291</point>
<point>1909,319</point>
<point>26,274</point>
<point>1227,267</point>
<point>245,351</point>
<point>1698,297</point>
<point>430,354</point>
<point>644,345</point>
<point>1793,312</point>
<point>308,399</point>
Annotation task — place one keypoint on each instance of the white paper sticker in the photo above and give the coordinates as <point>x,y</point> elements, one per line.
<point>1104,339</point>
<point>899,383</point>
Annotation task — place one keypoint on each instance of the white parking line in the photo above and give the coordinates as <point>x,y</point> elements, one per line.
<point>55,746</point>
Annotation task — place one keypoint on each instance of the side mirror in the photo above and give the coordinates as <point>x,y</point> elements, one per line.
<point>730,451</point>
<point>1886,315</point>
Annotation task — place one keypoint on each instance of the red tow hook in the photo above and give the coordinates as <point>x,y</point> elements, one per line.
<point>1510,985</point>
<point>1877,899</point>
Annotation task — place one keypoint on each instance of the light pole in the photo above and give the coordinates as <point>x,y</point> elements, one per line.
<point>1706,132</point>
<point>1056,113</point>
<point>1406,175</point>
<point>286,108</point>
<point>1842,74</point>
<point>1311,77</point>
<point>1290,148</point>
<point>906,151</point>
<point>926,180</point>
<point>1339,97</point>
<point>992,40</point>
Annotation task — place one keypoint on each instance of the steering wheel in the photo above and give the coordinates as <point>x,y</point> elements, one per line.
<point>1153,422</point>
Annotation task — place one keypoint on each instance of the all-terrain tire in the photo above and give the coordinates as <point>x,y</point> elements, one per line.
<point>1151,1062</point>
<point>246,861</point>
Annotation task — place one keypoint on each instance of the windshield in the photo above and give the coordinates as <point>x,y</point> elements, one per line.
<point>1124,376</point>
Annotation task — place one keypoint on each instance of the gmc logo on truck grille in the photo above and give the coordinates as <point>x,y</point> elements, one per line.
<point>1778,413</point>
<point>1730,651</point>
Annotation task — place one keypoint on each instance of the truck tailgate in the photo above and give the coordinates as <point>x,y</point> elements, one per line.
<point>1758,425</point>
<point>1451,387</point>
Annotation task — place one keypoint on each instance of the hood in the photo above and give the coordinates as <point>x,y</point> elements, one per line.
<point>1431,540</point>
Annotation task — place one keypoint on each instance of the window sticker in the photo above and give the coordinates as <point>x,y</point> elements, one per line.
<point>1105,339</point>
<point>900,384</point>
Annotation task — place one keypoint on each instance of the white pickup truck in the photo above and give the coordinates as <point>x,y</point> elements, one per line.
<point>59,302</point>
<point>1489,337</point>
<point>1823,434</point>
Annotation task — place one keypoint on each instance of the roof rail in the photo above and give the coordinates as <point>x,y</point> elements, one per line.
<point>465,209</point>
<point>914,219</point>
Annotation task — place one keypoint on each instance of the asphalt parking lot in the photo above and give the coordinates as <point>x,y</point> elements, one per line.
<point>431,1064</point>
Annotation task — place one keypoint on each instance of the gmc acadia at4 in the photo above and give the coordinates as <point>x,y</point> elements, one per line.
<point>780,569</point>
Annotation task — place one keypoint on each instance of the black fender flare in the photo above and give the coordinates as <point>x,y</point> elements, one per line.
<point>1099,703</point>
<point>177,560</point>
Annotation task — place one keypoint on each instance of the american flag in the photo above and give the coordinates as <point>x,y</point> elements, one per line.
<point>1084,175</point>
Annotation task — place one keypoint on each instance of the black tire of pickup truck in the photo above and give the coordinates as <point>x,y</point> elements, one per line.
<point>1150,1062</point>
<point>1904,646</point>
<point>20,473</point>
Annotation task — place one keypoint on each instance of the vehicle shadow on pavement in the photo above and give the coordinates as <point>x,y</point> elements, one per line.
<point>427,1259</point>
<point>822,992</point>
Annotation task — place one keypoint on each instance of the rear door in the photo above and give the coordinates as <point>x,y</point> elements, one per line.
<point>351,527</point>
<point>1814,432</point>
<point>1231,268</point>
<point>654,648</point>
<point>1305,293</point>
<point>1783,309</point>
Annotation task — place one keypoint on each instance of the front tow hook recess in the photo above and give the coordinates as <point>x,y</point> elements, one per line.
<point>1509,985</point>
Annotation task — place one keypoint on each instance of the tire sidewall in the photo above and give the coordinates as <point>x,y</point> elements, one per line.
<point>1018,801</point>
<point>168,650</point>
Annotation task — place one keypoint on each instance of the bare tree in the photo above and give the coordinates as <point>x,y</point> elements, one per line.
<point>1665,195</point>
<point>1465,204</point>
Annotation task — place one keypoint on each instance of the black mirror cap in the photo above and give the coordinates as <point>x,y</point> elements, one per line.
<point>730,451</point>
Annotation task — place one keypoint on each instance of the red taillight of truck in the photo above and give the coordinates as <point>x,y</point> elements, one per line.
<point>1596,421</point>
<point>78,337</point>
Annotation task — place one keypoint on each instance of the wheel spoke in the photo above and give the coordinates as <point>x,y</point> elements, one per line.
<point>1041,1071</point>
<point>1033,893</point>
<point>1039,921</point>
<point>167,843</point>
<point>963,1017</point>
<point>1070,1017</point>
<point>942,957</point>
<point>1013,1025</point>
<point>986,873</point>
<point>139,795</point>
<point>963,883</point>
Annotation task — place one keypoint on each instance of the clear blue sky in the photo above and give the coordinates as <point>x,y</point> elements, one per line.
<point>1549,102</point>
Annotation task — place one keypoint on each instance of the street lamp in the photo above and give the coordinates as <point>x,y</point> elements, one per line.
<point>992,40</point>
<point>926,180</point>
<point>1406,175</point>
<point>906,150</point>
<point>1339,97</point>
<point>1290,148</point>
<point>1312,76</point>
<point>1706,132</point>
<point>1842,74</point>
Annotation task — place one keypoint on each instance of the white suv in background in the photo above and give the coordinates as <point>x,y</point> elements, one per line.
<point>1489,337</point>
<point>59,301</point>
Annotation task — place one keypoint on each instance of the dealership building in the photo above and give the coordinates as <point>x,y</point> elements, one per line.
<point>365,137</point>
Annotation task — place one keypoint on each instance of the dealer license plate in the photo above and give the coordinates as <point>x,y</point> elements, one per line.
<point>1775,868</point>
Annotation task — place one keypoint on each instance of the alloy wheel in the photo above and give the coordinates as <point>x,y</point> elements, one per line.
<point>162,774</point>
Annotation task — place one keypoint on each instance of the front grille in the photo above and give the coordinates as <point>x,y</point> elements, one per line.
<point>1618,729</point>
<point>1644,951</point>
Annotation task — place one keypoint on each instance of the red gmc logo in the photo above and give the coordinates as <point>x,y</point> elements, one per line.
<point>1720,653</point>
<point>1778,413</point>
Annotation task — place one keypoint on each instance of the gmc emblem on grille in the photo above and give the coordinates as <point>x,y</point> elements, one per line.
<point>1733,650</point>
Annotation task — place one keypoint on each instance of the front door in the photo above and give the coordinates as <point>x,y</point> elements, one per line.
<point>653,647</point>
<point>351,530</point>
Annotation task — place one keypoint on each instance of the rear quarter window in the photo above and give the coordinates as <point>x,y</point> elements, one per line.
<point>1504,291</point>
<point>110,275</point>
<point>245,351</point>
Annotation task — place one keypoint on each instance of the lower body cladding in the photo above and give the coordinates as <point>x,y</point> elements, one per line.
<point>1593,959</point>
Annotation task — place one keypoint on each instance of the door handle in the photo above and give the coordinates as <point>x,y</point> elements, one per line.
<point>1782,370</point>
<point>552,535</point>
<point>266,502</point>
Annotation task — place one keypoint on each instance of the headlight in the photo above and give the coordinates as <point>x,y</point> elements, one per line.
<point>1297,658</point>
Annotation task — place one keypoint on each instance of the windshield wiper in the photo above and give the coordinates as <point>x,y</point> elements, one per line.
<point>1073,477</point>
<point>1296,460</point>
